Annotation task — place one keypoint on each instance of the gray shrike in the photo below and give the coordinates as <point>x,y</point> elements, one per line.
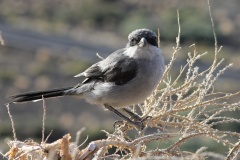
<point>127,76</point>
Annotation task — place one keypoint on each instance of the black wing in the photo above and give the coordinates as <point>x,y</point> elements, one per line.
<point>122,72</point>
<point>117,68</point>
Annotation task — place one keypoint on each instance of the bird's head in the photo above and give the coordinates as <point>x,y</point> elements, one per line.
<point>142,38</point>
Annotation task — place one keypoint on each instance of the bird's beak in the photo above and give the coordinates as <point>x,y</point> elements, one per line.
<point>142,42</point>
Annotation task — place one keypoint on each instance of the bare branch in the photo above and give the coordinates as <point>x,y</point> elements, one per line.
<point>44,118</point>
<point>12,122</point>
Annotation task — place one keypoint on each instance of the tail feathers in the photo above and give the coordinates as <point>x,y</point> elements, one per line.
<point>34,96</point>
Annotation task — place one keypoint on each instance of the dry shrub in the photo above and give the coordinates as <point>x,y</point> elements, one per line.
<point>179,112</point>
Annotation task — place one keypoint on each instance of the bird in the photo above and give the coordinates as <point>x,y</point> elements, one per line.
<point>126,77</point>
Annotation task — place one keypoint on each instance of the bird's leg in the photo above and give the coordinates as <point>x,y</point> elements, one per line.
<point>138,124</point>
<point>133,116</point>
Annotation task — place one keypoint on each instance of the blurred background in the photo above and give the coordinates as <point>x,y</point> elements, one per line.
<point>48,42</point>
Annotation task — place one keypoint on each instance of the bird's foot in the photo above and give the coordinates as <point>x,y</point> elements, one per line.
<point>137,122</point>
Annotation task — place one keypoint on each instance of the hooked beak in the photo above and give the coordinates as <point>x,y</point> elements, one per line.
<point>143,42</point>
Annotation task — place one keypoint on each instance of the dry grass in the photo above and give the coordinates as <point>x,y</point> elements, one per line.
<point>180,112</point>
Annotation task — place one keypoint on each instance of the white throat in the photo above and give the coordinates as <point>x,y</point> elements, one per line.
<point>148,52</point>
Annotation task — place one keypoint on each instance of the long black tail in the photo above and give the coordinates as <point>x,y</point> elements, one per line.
<point>34,96</point>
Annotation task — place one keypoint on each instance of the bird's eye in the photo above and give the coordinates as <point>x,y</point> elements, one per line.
<point>133,42</point>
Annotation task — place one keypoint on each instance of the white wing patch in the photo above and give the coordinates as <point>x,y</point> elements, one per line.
<point>80,75</point>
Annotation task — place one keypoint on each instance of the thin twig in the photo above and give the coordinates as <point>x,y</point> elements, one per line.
<point>179,31</point>
<point>3,156</point>
<point>79,132</point>
<point>214,35</point>
<point>83,142</point>
<point>2,42</point>
<point>48,136</point>
<point>169,66</point>
<point>233,152</point>
<point>44,118</point>
<point>12,122</point>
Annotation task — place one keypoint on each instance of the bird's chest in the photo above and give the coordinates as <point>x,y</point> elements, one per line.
<point>150,71</point>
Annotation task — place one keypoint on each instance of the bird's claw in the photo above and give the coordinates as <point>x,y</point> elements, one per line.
<point>137,124</point>
<point>117,123</point>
